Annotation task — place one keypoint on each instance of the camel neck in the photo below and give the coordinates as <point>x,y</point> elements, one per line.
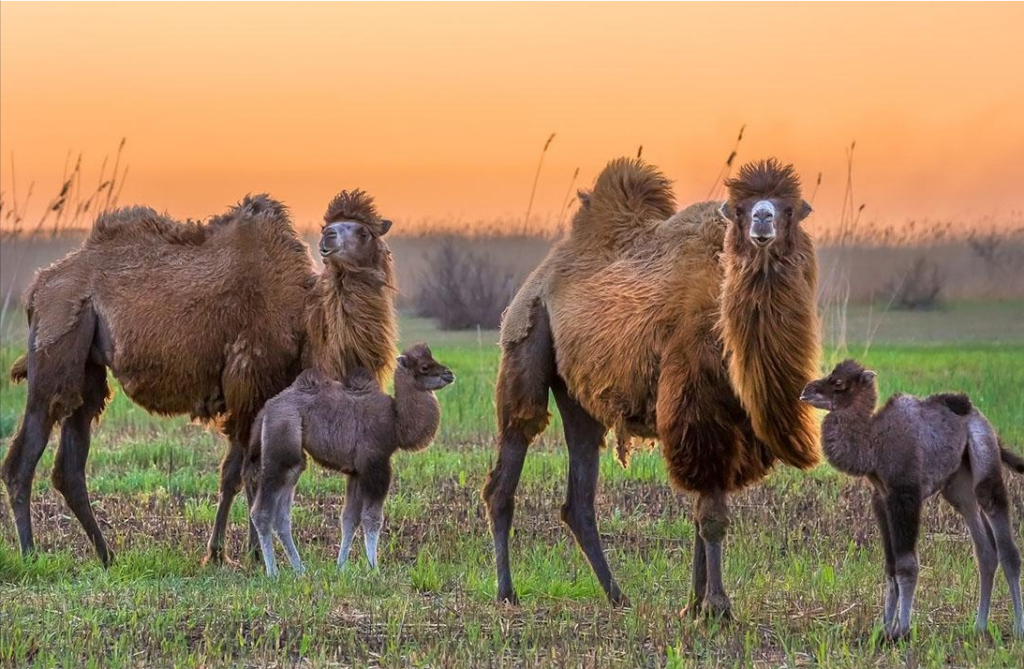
<point>350,323</point>
<point>846,437</point>
<point>418,414</point>
<point>769,328</point>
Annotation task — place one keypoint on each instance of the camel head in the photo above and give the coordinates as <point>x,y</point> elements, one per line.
<point>765,206</point>
<point>848,383</point>
<point>427,373</point>
<point>351,235</point>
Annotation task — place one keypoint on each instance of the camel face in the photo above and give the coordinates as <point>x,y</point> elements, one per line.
<point>840,388</point>
<point>764,221</point>
<point>428,373</point>
<point>348,244</point>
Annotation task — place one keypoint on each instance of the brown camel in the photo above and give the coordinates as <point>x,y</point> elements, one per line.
<point>208,320</point>
<point>909,450</point>
<point>695,328</point>
<point>351,426</point>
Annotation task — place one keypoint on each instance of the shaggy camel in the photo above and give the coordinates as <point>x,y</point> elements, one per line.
<point>208,320</point>
<point>696,328</point>
<point>353,427</point>
<point>910,450</point>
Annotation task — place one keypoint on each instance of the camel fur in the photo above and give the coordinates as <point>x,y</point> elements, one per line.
<point>675,326</point>
<point>350,426</point>
<point>911,449</point>
<point>208,320</point>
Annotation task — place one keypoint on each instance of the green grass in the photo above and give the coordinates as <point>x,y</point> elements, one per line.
<point>802,559</point>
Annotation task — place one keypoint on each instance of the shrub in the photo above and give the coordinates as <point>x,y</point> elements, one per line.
<point>919,287</point>
<point>463,289</point>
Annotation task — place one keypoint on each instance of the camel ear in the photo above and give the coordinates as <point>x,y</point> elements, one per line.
<point>727,211</point>
<point>403,362</point>
<point>867,376</point>
<point>805,211</point>
<point>385,225</point>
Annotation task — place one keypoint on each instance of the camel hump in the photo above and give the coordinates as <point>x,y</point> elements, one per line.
<point>253,208</point>
<point>137,223</point>
<point>360,380</point>
<point>958,403</point>
<point>628,195</point>
<point>311,380</point>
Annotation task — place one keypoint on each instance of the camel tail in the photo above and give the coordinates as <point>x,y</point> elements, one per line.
<point>19,370</point>
<point>628,193</point>
<point>1011,459</point>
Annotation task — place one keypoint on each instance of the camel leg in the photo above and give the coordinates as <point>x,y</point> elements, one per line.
<point>20,466</point>
<point>264,512</point>
<point>373,488</point>
<point>584,436</point>
<point>283,524</point>
<point>230,484</point>
<point>960,494</point>
<point>372,520</point>
<point>254,537</point>
<point>521,396</point>
<point>713,516</point>
<point>699,575</point>
<point>891,589</point>
<point>993,499</point>
<point>903,506</point>
<point>69,468</point>
<point>350,518</point>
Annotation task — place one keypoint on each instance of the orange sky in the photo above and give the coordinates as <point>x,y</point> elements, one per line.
<point>441,110</point>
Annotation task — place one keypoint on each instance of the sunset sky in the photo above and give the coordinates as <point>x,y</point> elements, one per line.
<point>441,110</point>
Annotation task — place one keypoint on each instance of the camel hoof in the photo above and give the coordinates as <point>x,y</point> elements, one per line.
<point>619,600</point>
<point>216,558</point>
<point>717,607</point>
<point>894,636</point>
<point>107,559</point>
<point>509,598</point>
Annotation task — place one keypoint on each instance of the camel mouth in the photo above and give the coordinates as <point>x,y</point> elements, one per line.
<point>816,401</point>
<point>762,242</point>
<point>326,252</point>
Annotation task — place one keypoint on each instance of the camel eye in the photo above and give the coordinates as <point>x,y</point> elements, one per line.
<point>789,212</point>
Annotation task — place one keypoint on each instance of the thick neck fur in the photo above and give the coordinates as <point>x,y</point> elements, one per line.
<point>350,322</point>
<point>846,436</point>
<point>418,414</point>
<point>769,328</point>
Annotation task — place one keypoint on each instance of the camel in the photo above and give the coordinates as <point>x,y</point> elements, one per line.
<point>351,426</point>
<point>695,328</point>
<point>206,320</point>
<point>909,450</point>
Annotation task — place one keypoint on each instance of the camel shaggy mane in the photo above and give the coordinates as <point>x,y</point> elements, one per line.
<point>356,205</point>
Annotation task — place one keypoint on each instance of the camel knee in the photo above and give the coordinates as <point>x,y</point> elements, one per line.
<point>67,484</point>
<point>712,517</point>
<point>906,566</point>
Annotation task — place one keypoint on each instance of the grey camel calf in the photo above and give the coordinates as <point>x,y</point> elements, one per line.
<point>909,450</point>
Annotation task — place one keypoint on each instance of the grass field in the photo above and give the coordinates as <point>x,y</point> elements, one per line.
<point>802,560</point>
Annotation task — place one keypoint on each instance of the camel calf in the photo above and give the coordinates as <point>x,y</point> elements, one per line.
<point>911,449</point>
<point>352,427</point>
